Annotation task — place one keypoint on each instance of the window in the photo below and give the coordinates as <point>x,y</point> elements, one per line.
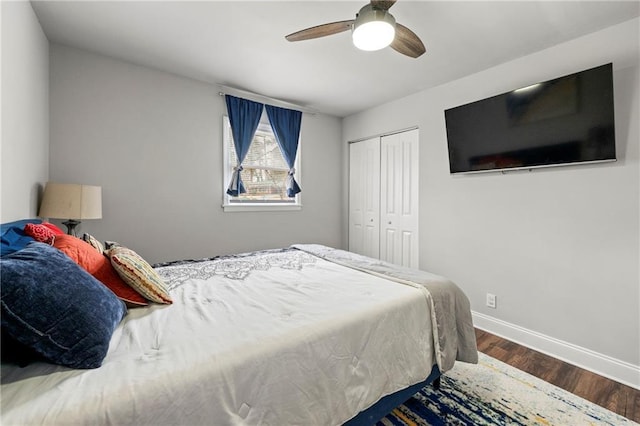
<point>264,172</point>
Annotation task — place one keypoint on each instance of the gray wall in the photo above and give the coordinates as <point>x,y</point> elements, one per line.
<point>153,141</point>
<point>24,148</point>
<point>558,246</point>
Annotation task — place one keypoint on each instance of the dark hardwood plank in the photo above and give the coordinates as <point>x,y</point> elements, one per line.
<point>607,393</point>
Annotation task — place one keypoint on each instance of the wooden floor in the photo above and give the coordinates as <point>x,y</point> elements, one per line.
<point>611,395</point>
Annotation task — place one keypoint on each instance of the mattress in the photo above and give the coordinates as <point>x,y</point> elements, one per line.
<point>276,337</point>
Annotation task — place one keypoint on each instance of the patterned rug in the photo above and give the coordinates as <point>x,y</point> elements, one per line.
<point>494,393</point>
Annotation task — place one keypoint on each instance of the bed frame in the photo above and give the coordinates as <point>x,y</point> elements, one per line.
<point>383,407</point>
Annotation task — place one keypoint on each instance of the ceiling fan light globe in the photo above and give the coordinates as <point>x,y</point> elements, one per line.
<point>373,35</point>
<point>373,29</point>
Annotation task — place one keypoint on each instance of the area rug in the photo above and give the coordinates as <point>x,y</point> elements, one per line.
<point>494,393</point>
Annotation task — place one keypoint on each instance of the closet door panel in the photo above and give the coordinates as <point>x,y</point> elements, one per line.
<point>356,201</point>
<point>399,206</point>
<point>364,197</point>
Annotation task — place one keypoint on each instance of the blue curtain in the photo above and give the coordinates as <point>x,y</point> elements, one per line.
<point>244,116</point>
<point>286,127</point>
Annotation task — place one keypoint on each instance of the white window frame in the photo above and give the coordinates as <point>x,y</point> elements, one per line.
<point>227,170</point>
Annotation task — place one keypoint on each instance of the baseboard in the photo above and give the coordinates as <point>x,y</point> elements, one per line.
<point>614,369</point>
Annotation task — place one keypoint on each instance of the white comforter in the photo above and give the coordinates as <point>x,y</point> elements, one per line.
<point>276,338</point>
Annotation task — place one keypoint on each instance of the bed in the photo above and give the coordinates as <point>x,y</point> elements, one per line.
<point>304,335</point>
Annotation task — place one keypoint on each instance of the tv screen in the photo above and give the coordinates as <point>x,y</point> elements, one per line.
<point>566,120</point>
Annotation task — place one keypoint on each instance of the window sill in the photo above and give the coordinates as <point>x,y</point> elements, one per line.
<point>230,208</point>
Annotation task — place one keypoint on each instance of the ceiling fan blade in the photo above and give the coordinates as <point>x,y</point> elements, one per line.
<point>382,4</point>
<point>321,30</point>
<point>407,42</point>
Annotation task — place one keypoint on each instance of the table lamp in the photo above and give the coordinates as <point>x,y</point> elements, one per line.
<point>73,202</point>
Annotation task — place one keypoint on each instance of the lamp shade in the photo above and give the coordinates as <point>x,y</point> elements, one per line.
<point>71,201</point>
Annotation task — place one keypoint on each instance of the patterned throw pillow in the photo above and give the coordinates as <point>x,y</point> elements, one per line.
<point>93,242</point>
<point>40,233</point>
<point>100,267</point>
<point>111,244</point>
<point>136,272</point>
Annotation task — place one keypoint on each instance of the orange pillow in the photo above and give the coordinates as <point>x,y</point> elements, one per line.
<point>53,228</point>
<point>99,266</point>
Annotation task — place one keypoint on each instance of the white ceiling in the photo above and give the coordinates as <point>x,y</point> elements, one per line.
<point>241,44</point>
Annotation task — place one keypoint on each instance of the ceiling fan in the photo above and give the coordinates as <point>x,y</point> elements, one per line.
<point>374,28</point>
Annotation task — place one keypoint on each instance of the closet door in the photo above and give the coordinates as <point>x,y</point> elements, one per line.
<point>399,198</point>
<point>364,197</point>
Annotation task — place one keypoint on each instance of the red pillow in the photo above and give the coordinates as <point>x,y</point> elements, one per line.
<point>53,228</point>
<point>100,267</point>
<point>40,233</point>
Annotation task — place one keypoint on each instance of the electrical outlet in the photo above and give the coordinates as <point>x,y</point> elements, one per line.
<point>491,300</point>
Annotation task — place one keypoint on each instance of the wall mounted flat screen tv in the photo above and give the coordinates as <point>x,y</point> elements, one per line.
<point>567,120</point>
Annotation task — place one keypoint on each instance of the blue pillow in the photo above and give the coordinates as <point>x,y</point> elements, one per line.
<point>13,237</point>
<point>14,352</point>
<point>53,306</point>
